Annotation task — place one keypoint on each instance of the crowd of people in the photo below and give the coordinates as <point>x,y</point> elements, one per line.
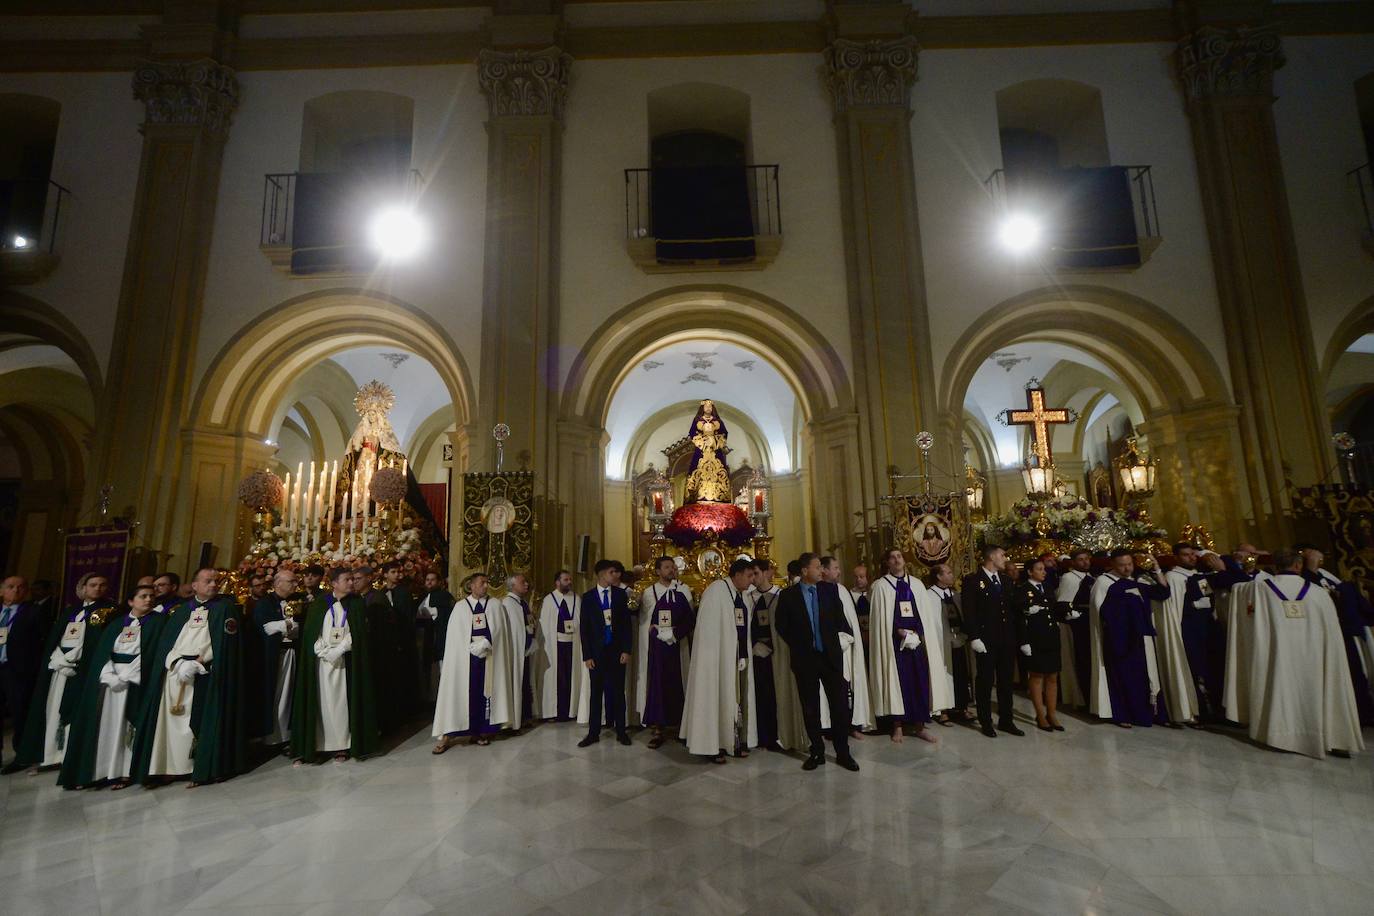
<point>182,682</point>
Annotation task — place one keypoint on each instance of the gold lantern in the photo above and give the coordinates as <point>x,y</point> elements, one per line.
<point>1136,472</point>
<point>975,487</point>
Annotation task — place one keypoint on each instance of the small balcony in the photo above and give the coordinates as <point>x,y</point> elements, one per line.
<point>31,214</point>
<point>680,220</point>
<point>1363,179</point>
<point>1094,220</point>
<point>315,224</point>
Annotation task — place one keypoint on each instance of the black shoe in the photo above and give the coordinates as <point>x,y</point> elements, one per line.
<point>849,763</point>
<point>989,731</point>
<point>588,741</point>
<point>812,762</point>
<point>1011,729</point>
<point>1045,728</point>
<point>1344,755</point>
<point>623,738</point>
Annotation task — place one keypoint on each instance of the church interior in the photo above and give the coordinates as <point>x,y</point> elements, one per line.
<point>450,283</point>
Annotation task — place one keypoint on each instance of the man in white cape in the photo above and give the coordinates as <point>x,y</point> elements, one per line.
<point>855,658</point>
<point>1071,603</point>
<point>1301,696</point>
<point>561,682</point>
<point>719,713</point>
<point>519,623</point>
<point>476,631</point>
<point>885,684</point>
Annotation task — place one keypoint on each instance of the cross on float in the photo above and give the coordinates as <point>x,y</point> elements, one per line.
<point>1039,418</point>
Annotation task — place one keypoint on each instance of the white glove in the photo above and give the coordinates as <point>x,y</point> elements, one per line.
<point>529,650</point>
<point>133,674</point>
<point>275,628</point>
<point>187,669</point>
<point>67,671</point>
<point>108,676</point>
<point>978,646</point>
<point>846,640</point>
<point>1034,609</point>
<point>1073,615</point>
<point>743,664</point>
<point>911,641</point>
<point>665,636</point>
<point>480,647</point>
<point>762,650</point>
<point>1026,650</point>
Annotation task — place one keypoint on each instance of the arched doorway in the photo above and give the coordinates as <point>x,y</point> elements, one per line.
<point>1125,365</point>
<point>281,392</point>
<point>1348,377</point>
<point>801,419</point>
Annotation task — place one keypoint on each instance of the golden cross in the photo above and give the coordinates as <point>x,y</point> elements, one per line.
<point>1039,418</point>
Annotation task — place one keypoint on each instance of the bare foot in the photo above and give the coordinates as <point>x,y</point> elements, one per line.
<point>340,757</point>
<point>857,734</point>
<point>926,735</point>
<point>898,735</point>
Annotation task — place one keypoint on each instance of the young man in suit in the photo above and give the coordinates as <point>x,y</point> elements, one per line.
<point>991,631</point>
<point>812,622</point>
<point>607,633</point>
<point>23,629</point>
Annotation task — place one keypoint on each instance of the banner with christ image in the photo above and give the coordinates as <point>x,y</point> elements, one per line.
<point>930,528</point>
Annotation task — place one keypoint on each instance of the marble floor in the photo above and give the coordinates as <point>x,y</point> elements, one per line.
<point>1093,820</point>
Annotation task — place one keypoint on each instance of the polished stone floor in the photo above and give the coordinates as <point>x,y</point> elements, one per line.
<point>1092,820</point>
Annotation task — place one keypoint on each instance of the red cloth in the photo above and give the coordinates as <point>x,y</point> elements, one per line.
<point>436,497</point>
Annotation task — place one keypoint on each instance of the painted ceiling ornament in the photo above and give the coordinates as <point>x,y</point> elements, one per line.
<point>395,358</point>
<point>747,365</point>
<point>1008,360</point>
<point>651,364</point>
<point>698,377</point>
<point>373,402</point>
<point>702,360</point>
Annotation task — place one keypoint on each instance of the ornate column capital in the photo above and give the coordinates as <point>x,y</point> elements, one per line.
<point>876,73</point>
<point>1228,62</point>
<point>199,93</point>
<point>524,82</point>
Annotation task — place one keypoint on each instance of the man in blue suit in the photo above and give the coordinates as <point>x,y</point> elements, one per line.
<point>606,640</point>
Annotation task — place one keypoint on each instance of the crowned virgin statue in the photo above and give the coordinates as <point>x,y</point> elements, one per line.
<point>708,480</point>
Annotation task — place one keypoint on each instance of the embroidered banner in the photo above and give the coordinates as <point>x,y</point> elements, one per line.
<point>103,551</point>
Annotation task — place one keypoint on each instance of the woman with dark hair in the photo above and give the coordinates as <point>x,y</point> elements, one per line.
<point>1037,628</point>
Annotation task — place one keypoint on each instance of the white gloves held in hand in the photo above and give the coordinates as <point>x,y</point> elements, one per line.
<point>1073,615</point>
<point>978,646</point>
<point>1026,650</point>
<point>333,654</point>
<point>743,664</point>
<point>187,669</point>
<point>911,641</point>
<point>480,647</point>
<point>275,628</point>
<point>846,640</point>
<point>665,636</point>
<point>762,650</point>
<point>1035,609</point>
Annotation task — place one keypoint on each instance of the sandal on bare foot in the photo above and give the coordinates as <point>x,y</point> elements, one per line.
<point>443,745</point>
<point>120,784</point>
<point>719,758</point>
<point>655,742</point>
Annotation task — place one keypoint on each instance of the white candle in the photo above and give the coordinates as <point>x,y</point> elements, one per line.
<point>347,503</point>
<point>296,497</point>
<point>333,486</point>
<point>306,507</point>
<point>286,502</point>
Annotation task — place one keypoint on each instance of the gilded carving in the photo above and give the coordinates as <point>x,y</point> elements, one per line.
<point>870,74</point>
<point>200,93</point>
<point>1218,63</point>
<point>524,82</point>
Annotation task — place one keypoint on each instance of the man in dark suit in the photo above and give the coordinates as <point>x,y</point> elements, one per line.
<point>23,630</point>
<point>810,619</point>
<point>991,632</point>
<point>606,640</point>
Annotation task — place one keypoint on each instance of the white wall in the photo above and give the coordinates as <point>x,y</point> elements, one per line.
<point>607,132</point>
<point>1319,138</point>
<point>449,151</point>
<point>96,157</point>
<point>954,135</point>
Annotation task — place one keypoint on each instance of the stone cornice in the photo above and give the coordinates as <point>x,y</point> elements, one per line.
<point>524,82</point>
<point>870,74</point>
<point>201,93</point>
<point>1215,63</point>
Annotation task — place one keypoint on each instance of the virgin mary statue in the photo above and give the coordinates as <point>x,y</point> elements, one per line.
<point>707,479</point>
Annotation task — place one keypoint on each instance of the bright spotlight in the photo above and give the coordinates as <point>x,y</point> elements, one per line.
<point>21,242</point>
<point>1019,233</point>
<point>397,233</point>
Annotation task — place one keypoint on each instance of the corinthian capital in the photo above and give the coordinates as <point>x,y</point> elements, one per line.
<point>201,93</point>
<point>870,74</point>
<point>524,82</point>
<point>1228,63</point>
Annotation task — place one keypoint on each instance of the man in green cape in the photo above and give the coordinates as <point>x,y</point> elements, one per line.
<point>336,706</point>
<point>99,745</point>
<point>192,720</point>
<point>67,654</point>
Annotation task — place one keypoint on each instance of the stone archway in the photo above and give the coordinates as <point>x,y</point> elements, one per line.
<point>1189,416</point>
<point>811,366</point>
<point>246,382</point>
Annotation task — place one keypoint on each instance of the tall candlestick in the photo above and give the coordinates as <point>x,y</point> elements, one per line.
<point>347,504</point>
<point>296,496</point>
<point>286,502</point>
<point>333,485</point>
<point>306,507</point>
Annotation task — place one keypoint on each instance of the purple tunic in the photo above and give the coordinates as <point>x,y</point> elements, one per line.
<point>565,659</point>
<point>765,694</point>
<point>663,694</point>
<point>1126,621</point>
<point>479,707</point>
<point>913,665</point>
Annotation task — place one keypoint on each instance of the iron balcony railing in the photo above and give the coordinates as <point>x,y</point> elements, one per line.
<point>742,204</point>
<point>31,213</point>
<point>1051,195</point>
<point>1363,176</point>
<point>279,192</point>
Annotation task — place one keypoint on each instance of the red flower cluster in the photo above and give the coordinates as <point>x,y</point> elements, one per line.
<point>701,521</point>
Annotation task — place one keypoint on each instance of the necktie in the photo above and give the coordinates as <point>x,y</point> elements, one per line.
<point>813,612</point>
<point>605,606</point>
<point>5,617</point>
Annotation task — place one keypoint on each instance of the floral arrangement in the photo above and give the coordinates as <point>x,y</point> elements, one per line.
<point>701,521</point>
<point>1068,517</point>
<point>388,486</point>
<point>261,490</point>
<point>280,547</point>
